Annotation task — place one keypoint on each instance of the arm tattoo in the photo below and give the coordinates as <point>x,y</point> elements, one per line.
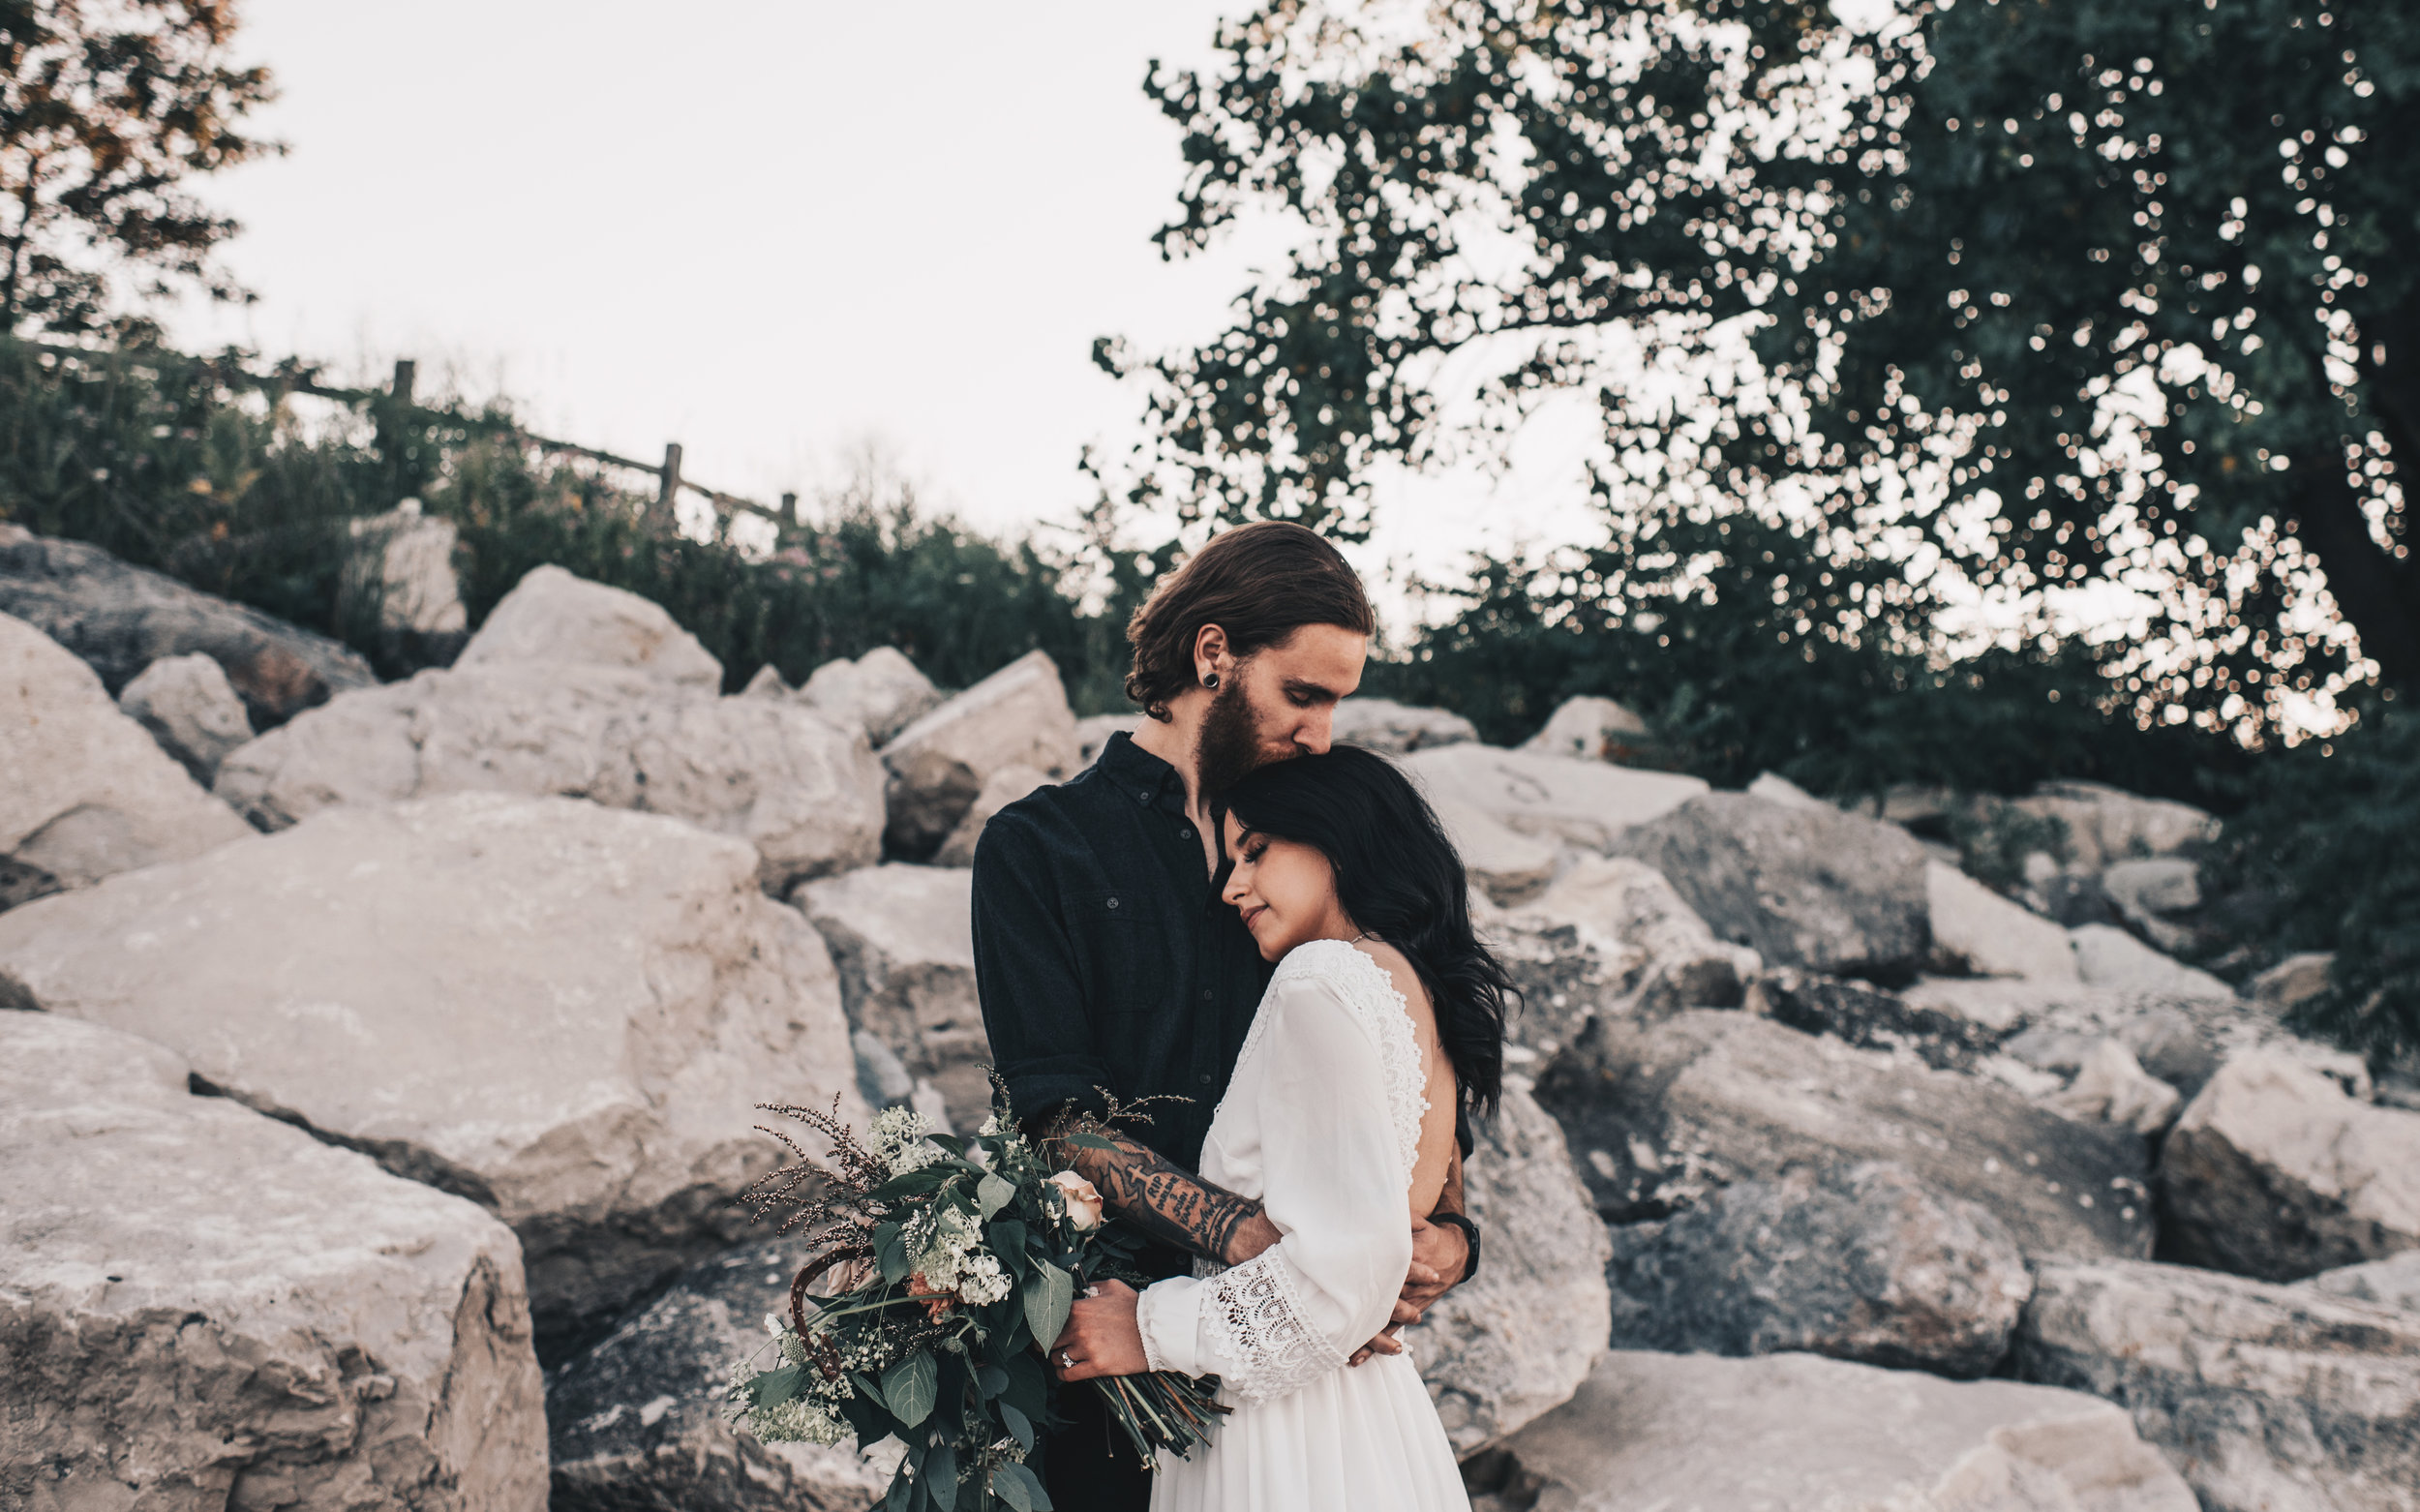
<point>1165,1201</point>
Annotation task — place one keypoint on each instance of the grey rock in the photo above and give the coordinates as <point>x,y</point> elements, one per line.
<point>1975,930</point>
<point>202,1308</point>
<point>1774,788</point>
<point>2107,957</point>
<point>1517,1339</point>
<point>2112,1084</point>
<point>1381,724</point>
<point>121,619</point>
<point>190,708</point>
<point>88,793</point>
<point>2107,825</point>
<point>638,1420</point>
<point>2294,980</point>
<point>767,681</point>
<point>2267,1397</point>
<point>1589,728</point>
<point>938,765</point>
<point>1797,1432</point>
<point>2393,1282</point>
<point>881,691</point>
<point>2152,884</point>
<point>560,1010</point>
<point>1663,1114</point>
<point>902,938</point>
<point>1816,889</point>
<point>2055,1025</point>
<point>554,618</point>
<point>804,791</point>
<point>1566,973</point>
<point>1001,789</point>
<point>1093,731</point>
<point>1672,958</point>
<point>1856,1262</point>
<point>2274,1172</point>
<point>1867,1016</point>
<point>1509,866</point>
<point>1585,803</point>
<point>401,573</point>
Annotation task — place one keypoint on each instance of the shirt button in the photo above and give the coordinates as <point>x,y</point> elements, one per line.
<point>1205,1078</point>
<point>1184,835</point>
<point>1206,994</point>
<point>1113,902</point>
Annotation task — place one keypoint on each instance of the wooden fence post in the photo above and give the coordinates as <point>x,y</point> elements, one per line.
<point>405,371</point>
<point>665,518</point>
<point>789,507</point>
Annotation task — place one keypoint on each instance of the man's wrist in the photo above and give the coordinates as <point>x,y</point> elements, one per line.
<point>1471,1236</point>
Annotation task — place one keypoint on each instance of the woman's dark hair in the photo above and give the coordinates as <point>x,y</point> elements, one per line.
<point>1399,878</point>
<point>1259,583</point>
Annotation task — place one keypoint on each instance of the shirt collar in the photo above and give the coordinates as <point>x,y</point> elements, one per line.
<point>1137,774</point>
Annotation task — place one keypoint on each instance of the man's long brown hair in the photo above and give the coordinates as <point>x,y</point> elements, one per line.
<point>1258,583</point>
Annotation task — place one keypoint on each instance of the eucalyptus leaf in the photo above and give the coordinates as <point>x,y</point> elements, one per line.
<point>910,1386</point>
<point>891,1253</point>
<point>1093,1142</point>
<point>775,1387</point>
<point>1020,1426</point>
<point>991,1381</point>
<point>1049,1296</point>
<point>1019,1486</point>
<point>941,1476</point>
<point>992,1195</point>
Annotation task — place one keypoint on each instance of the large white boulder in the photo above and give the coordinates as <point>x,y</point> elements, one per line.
<point>1509,866</point>
<point>201,1307</point>
<point>1517,1339</point>
<point>192,709</point>
<point>638,1419</point>
<point>2393,1281</point>
<point>88,793</point>
<point>881,692</point>
<point>1381,724</point>
<point>903,939</point>
<point>2274,1172</point>
<point>562,1011</point>
<point>1628,901</point>
<point>1661,1111</point>
<point>1015,717</point>
<point>1586,803</point>
<point>1795,1432</point>
<point>1816,887</point>
<point>1977,930</point>
<point>805,792</point>
<point>1589,728</point>
<point>552,616</point>
<point>1093,731</point>
<point>2268,1397</point>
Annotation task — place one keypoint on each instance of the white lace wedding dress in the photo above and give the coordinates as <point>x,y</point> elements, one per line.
<point>1321,1123</point>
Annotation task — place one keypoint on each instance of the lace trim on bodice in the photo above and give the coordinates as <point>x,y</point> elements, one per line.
<point>1365,988</point>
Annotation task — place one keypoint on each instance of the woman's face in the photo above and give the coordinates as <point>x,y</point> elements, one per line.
<point>1285,889</point>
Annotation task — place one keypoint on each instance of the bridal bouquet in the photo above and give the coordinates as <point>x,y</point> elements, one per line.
<point>944,1267</point>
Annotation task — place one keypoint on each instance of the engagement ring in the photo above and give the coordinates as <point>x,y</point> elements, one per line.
<point>1067,1361</point>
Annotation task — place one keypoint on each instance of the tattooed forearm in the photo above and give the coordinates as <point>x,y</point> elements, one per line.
<point>1174,1205</point>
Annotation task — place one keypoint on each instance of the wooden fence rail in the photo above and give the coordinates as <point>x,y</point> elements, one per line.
<point>295,378</point>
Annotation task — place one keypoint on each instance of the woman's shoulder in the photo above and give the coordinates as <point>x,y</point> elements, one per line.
<point>1362,979</point>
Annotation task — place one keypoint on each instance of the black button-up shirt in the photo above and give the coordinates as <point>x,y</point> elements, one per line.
<point>1103,955</point>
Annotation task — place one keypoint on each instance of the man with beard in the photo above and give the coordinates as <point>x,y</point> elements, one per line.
<point>1105,960</point>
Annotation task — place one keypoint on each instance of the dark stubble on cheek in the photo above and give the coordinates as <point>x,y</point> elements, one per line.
<point>1229,748</point>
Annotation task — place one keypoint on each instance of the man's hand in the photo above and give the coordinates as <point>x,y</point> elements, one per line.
<point>1440,1252</point>
<point>1102,1337</point>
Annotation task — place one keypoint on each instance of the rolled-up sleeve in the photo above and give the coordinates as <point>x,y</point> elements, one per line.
<point>1026,975</point>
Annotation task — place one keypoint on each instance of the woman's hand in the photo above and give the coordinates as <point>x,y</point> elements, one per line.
<point>1102,1337</point>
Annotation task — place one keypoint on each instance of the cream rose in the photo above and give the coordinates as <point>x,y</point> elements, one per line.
<point>1083,1204</point>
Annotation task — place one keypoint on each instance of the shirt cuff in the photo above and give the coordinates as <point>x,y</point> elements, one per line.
<point>1164,1315</point>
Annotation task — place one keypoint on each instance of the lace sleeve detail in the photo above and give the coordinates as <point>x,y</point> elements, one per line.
<point>1254,1320</point>
<point>1364,986</point>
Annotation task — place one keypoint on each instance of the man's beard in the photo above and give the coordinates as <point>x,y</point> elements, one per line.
<point>1229,746</point>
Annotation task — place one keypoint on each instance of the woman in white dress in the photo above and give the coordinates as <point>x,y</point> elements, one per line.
<point>1385,1018</point>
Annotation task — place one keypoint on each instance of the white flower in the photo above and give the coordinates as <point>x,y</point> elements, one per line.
<point>774,1324</point>
<point>991,1127</point>
<point>1083,1202</point>
<point>983,1281</point>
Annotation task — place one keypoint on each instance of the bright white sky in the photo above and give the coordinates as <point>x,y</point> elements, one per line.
<point>768,230</point>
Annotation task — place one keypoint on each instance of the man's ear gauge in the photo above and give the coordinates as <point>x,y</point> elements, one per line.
<point>1210,679</point>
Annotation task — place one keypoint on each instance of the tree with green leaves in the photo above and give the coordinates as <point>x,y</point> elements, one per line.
<point>107,109</point>
<point>1911,327</point>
